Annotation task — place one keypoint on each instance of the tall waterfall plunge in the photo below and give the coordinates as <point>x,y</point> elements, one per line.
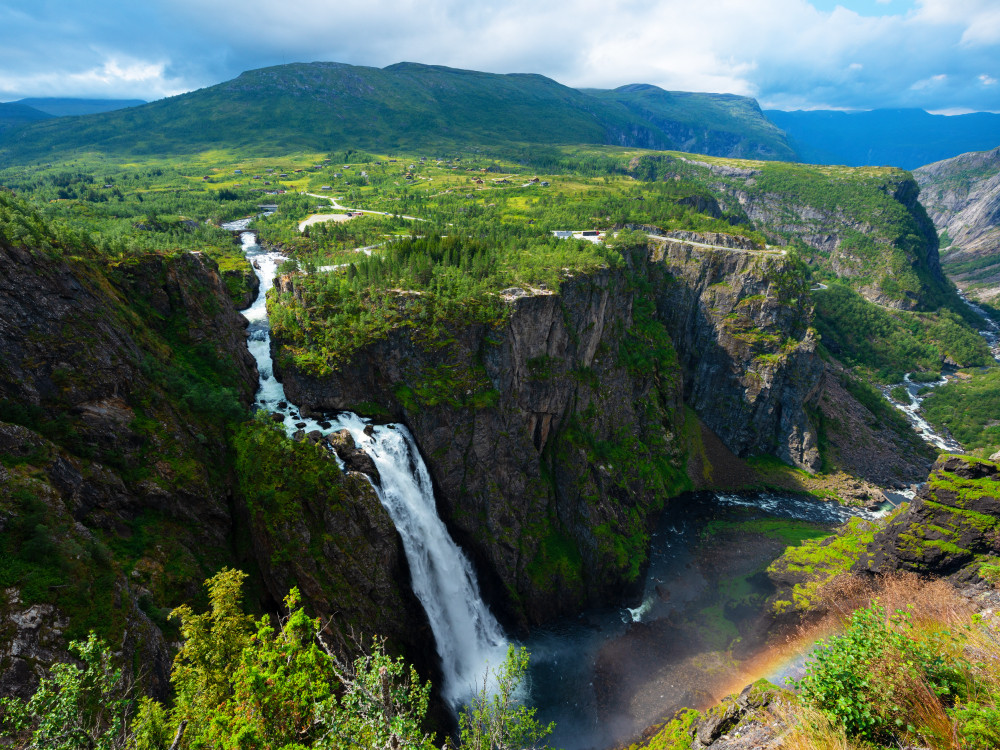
<point>467,636</point>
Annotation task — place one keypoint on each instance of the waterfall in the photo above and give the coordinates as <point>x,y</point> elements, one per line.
<point>467,636</point>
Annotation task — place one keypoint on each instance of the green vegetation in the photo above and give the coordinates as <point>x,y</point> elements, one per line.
<point>495,719</point>
<point>791,532</point>
<point>818,561</point>
<point>418,283</point>
<point>886,344</point>
<point>74,708</point>
<point>248,684</point>
<point>886,680</point>
<point>283,109</point>
<point>969,408</point>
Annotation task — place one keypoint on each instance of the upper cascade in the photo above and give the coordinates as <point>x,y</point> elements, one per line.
<point>469,639</point>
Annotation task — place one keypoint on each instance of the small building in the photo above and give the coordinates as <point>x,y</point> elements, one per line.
<point>237,171</point>
<point>589,233</point>
<point>563,234</point>
<point>337,174</point>
<point>283,175</point>
<point>326,187</point>
<point>543,183</point>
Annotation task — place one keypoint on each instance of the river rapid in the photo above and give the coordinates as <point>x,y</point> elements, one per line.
<point>912,408</point>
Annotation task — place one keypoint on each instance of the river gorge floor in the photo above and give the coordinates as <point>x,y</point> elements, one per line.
<point>700,632</point>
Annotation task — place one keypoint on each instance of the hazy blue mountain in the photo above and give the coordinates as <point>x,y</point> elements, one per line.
<point>906,138</point>
<point>326,106</point>
<point>13,114</point>
<point>66,107</point>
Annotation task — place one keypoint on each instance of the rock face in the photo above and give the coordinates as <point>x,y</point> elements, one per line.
<point>98,449</point>
<point>548,453</point>
<point>553,437</point>
<point>962,197</point>
<point>326,532</point>
<point>867,227</point>
<point>117,493</point>
<point>353,457</point>
<point>739,318</point>
<point>950,529</point>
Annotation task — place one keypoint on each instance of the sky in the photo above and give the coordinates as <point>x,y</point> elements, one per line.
<point>938,55</point>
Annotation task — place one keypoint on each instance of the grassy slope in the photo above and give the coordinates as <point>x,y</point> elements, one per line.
<point>322,106</point>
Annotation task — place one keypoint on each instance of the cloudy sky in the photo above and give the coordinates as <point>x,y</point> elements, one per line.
<point>941,55</point>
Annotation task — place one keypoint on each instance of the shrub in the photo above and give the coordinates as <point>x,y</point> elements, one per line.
<point>871,677</point>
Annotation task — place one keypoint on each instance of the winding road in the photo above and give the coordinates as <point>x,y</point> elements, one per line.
<point>316,218</point>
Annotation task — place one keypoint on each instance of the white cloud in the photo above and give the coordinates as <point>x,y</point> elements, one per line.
<point>114,78</point>
<point>929,82</point>
<point>987,80</point>
<point>785,52</point>
<point>978,19</point>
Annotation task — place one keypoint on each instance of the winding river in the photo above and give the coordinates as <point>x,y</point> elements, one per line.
<point>912,409</point>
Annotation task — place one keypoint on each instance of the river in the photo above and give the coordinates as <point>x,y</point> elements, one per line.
<point>912,408</point>
<point>698,633</point>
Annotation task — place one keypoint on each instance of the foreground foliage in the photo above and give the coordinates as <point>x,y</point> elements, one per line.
<point>244,684</point>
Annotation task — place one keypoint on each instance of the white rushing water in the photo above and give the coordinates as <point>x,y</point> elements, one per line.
<point>911,411</point>
<point>991,333</point>
<point>468,636</point>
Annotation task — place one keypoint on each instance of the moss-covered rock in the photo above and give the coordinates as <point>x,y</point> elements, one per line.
<point>803,570</point>
<point>952,527</point>
<point>741,721</point>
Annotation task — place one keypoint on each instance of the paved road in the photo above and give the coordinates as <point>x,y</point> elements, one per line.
<point>336,204</point>
<point>767,251</point>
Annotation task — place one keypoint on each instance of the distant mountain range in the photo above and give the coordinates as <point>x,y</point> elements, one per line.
<point>68,107</point>
<point>13,115</point>
<point>906,138</point>
<point>25,111</point>
<point>331,106</point>
<point>327,106</point>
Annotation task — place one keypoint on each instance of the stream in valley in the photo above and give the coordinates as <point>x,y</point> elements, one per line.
<point>912,409</point>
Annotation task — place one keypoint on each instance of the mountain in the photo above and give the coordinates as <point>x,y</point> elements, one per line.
<point>68,107</point>
<point>13,115</point>
<point>324,106</point>
<point>962,197</point>
<point>905,138</point>
<point>704,123</point>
